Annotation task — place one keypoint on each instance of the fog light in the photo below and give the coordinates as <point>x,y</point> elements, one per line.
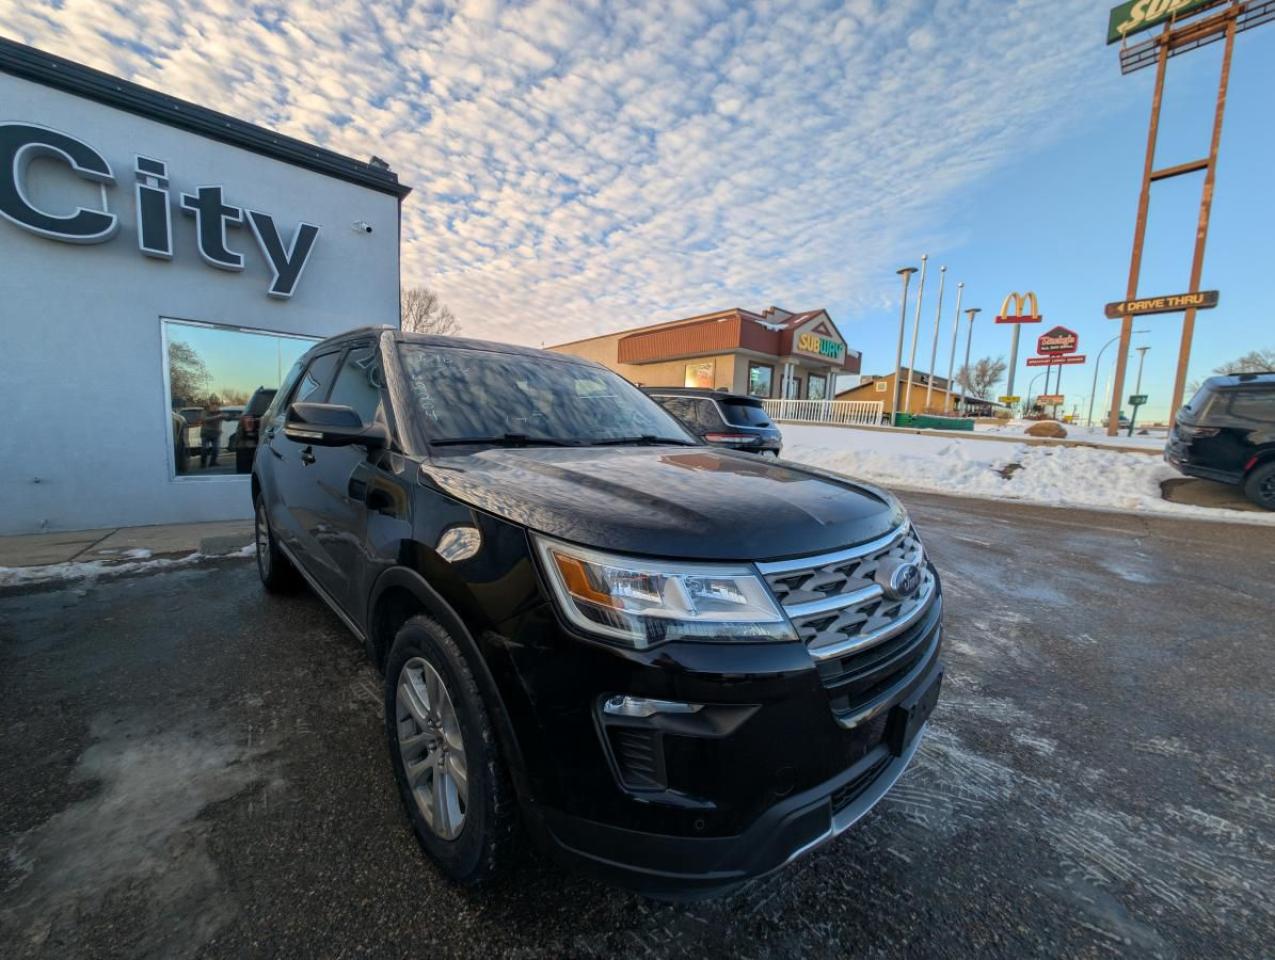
<point>618,706</point>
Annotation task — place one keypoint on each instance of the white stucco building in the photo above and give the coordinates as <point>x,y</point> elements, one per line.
<point>154,255</point>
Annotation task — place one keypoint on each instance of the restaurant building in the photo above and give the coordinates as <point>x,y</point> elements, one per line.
<point>162,266</point>
<point>772,354</point>
<point>943,397</point>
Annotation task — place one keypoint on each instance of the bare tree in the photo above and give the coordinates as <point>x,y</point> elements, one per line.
<point>187,373</point>
<point>423,312</point>
<point>1255,361</point>
<point>979,379</point>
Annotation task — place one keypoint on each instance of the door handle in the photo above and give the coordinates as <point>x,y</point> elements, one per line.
<point>307,456</point>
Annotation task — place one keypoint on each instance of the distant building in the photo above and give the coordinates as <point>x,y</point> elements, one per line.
<point>945,397</point>
<point>775,353</point>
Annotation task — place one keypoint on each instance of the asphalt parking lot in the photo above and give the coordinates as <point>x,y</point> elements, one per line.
<point>193,769</point>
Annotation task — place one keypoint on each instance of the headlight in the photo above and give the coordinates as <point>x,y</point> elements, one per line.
<point>645,602</point>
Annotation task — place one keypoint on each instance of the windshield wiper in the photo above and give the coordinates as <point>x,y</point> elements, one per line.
<point>646,439</point>
<point>504,440</point>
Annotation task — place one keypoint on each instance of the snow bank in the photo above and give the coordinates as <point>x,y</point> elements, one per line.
<point>139,561</point>
<point>1051,475</point>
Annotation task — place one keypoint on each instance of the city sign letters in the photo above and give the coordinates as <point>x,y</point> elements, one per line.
<point>1137,399</point>
<point>1134,16</point>
<point>1057,360</point>
<point>1057,340</point>
<point>20,143</point>
<point>1050,399</point>
<point>1009,401</point>
<point>1174,303</point>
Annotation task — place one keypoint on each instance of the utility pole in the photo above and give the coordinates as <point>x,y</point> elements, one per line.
<point>1142,356</point>
<point>934,349</point>
<point>969,337</point>
<point>906,274</point>
<point>951,360</point>
<point>916,329</point>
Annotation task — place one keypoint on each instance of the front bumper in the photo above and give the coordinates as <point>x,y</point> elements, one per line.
<point>729,807</point>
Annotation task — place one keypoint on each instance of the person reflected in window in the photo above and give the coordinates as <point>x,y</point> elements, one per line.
<point>210,432</point>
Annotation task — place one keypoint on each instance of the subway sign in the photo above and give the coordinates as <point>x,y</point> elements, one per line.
<point>819,346</point>
<point>213,217</point>
<point>1138,15</point>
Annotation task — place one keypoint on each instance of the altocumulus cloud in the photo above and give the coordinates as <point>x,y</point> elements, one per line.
<point>584,166</point>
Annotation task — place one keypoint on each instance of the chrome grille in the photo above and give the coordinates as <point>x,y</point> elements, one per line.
<point>837,606</point>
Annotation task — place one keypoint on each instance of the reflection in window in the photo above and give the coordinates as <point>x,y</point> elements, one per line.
<point>220,382</point>
<point>760,379</point>
<point>358,384</point>
<point>816,387</point>
<point>700,374</point>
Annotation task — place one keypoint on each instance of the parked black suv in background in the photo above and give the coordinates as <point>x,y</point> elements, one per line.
<point>678,666</point>
<point>720,418</point>
<point>247,432</point>
<point>1227,433</point>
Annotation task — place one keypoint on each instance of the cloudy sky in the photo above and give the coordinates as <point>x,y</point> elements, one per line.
<point>585,167</point>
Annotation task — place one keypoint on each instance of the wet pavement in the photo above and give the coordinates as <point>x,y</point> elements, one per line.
<point>194,769</point>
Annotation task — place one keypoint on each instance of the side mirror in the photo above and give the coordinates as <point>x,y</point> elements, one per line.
<point>332,425</point>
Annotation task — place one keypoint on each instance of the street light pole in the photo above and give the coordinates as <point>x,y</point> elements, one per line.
<point>916,329</point>
<point>1031,386</point>
<point>951,360</point>
<point>1142,356</point>
<point>1097,364</point>
<point>934,348</point>
<point>969,337</point>
<point>906,274</point>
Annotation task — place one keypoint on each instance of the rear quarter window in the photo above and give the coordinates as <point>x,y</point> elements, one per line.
<point>744,414</point>
<point>1254,405</point>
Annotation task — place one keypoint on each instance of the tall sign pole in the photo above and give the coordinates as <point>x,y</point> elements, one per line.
<point>934,349</point>
<point>951,360</point>
<point>1202,227</point>
<point>1188,25</point>
<point>916,329</point>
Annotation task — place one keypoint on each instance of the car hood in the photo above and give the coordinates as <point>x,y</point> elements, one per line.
<point>687,502</point>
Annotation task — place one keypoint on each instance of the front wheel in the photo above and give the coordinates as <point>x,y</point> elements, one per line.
<point>445,755</point>
<point>1259,485</point>
<point>277,573</point>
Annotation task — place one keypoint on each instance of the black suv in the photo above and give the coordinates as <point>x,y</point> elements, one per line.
<point>678,666</point>
<point>720,418</point>
<point>1227,433</point>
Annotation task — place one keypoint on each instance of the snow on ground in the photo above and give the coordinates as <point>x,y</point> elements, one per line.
<point>1048,475</point>
<point>136,561</point>
<point>1154,440</point>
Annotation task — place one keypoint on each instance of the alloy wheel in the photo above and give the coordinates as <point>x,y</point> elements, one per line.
<point>432,748</point>
<point>262,532</point>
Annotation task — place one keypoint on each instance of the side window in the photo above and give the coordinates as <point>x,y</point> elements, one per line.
<point>678,407</point>
<point>275,410</point>
<point>358,382</point>
<point>1254,405</point>
<point>706,415</point>
<point>316,379</point>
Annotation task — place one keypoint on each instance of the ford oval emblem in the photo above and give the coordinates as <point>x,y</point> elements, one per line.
<point>899,579</point>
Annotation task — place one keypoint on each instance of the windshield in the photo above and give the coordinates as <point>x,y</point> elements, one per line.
<point>744,414</point>
<point>460,394</point>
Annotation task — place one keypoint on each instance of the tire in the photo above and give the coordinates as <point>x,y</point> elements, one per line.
<point>449,743</point>
<point>1259,485</point>
<point>277,573</point>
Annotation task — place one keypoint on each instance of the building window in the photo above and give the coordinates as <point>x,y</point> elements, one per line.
<point>761,380</point>
<point>880,386</point>
<point>816,387</point>
<point>220,382</point>
<point>701,374</point>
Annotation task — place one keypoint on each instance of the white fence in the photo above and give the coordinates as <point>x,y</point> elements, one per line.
<point>839,412</point>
